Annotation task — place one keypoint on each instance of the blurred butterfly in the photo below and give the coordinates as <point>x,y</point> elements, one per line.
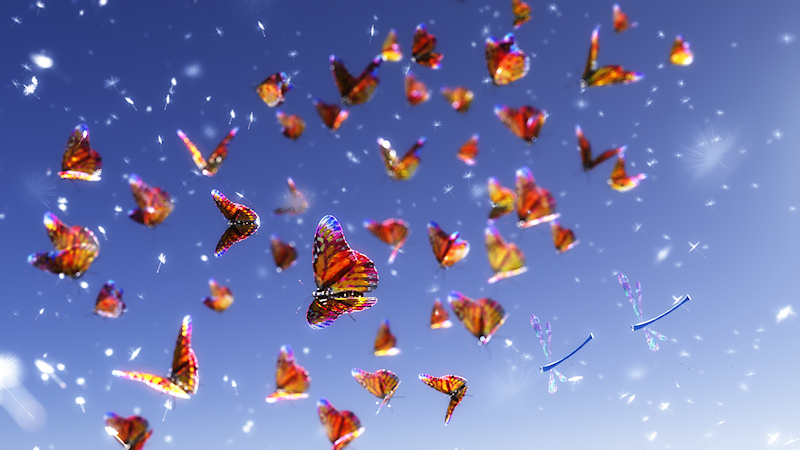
<point>273,89</point>
<point>297,201</point>
<point>585,148</point>
<point>382,383</point>
<point>535,204</point>
<point>355,91</point>
<point>132,432</point>
<point>342,276</point>
<point>292,126</point>
<point>332,115</point>
<point>221,297</point>
<point>521,11</point>
<point>80,160</point>
<point>183,379</point>
<point>291,379</point>
<point>469,151</point>
<point>593,76</point>
<point>621,20</point>
<point>505,61</point>
<point>242,222</point>
<point>74,249</point>
<point>422,49</point>
<point>208,168</point>
<point>390,51</point>
<point>460,98</point>
<point>400,168</point>
<point>342,427</point>
<point>681,54</point>
<point>154,203</point>
<point>385,342</point>
<point>525,122</point>
<point>109,302</point>
<point>416,91</point>
<point>283,254</point>
<point>544,339</point>
<point>452,385</point>
<point>620,181</point>
<point>502,198</point>
<point>481,317</point>
<point>439,316</point>
<point>506,259</point>
<point>563,238</point>
<point>391,231</point>
<point>448,250</point>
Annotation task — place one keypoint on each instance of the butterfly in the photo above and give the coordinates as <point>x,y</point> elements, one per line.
<point>342,427</point>
<point>482,317</point>
<point>342,276</point>
<point>535,204</point>
<point>469,151</point>
<point>400,168</point>
<point>292,126</point>
<point>391,231</point>
<point>291,379</point>
<point>109,302</point>
<point>439,316</point>
<point>154,203</point>
<point>242,222</point>
<point>502,198</point>
<point>355,91</point>
<point>80,160</point>
<point>131,432</point>
<point>416,91</point>
<point>525,122</point>
<point>505,61</point>
<point>385,342</point>
<point>208,168</point>
<point>521,11</point>
<point>681,54</point>
<point>332,115</point>
<point>297,201</point>
<point>273,89</point>
<point>390,51</point>
<point>563,238</point>
<point>506,259</point>
<point>422,49</point>
<point>452,385</point>
<point>448,250</point>
<point>544,339</point>
<point>221,297</point>
<point>621,22</point>
<point>620,181</point>
<point>283,254</point>
<point>183,380</point>
<point>585,148</point>
<point>74,249</point>
<point>593,76</point>
<point>460,98</point>
<point>382,383</point>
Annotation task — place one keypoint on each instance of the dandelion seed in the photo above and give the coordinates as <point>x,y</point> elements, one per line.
<point>785,313</point>
<point>219,31</point>
<point>130,102</point>
<point>250,119</point>
<point>80,401</point>
<point>262,28</point>
<point>42,60</point>
<point>436,124</point>
<point>786,38</point>
<point>694,247</point>
<point>235,387</point>
<point>708,150</point>
<point>162,259</point>
<point>41,311</point>
<point>16,20</point>
<point>448,189</point>
<point>39,6</point>
<point>248,426</point>
<point>371,32</point>
<point>293,54</point>
<point>48,372</point>
<point>167,407</point>
<point>233,116</point>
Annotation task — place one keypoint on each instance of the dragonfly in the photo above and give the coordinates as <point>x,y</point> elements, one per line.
<point>551,366</point>
<point>651,334</point>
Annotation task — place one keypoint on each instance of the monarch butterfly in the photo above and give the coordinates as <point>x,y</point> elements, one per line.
<point>481,317</point>
<point>342,427</point>
<point>221,297</point>
<point>382,383</point>
<point>132,432</point>
<point>80,160</point>
<point>209,167</point>
<point>505,61</point>
<point>291,379</point>
<point>109,302</point>
<point>154,203</point>
<point>243,222</point>
<point>422,49</point>
<point>355,91</point>
<point>452,385</point>
<point>448,250</point>
<point>601,76</point>
<point>75,248</point>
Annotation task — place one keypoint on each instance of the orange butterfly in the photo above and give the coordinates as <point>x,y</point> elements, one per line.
<point>585,148</point>
<point>505,61</point>
<point>154,204</point>
<point>297,201</point>
<point>243,222</point>
<point>681,54</point>
<point>332,115</point>
<point>422,49</point>
<point>535,204</point>
<point>621,20</point>
<point>291,379</point>
<point>342,276</point>
<point>521,11</point>
<point>593,76</point>
<point>273,89</point>
<point>284,254</point>
<point>74,249</point>
<point>342,427</point>
<point>620,181</point>
<point>208,168</point>
<point>525,122</point>
<point>183,379</point>
<point>469,151</point>
<point>292,126</point>
<point>439,316</point>
<point>109,302</point>
<point>448,250</point>
<point>452,385</point>
<point>80,160</point>
<point>382,383</point>
<point>390,51</point>
<point>385,342</point>
<point>502,198</point>
<point>400,168</point>
<point>506,259</point>
<point>482,317</point>
<point>416,91</point>
<point>221,297</point>
<point>131,432</point>
<point>391,231</point>
<point>460,98</point>
<point>355,91</point>
<point>563,238</point>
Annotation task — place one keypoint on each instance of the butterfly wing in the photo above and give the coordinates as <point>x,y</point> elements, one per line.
<point>681,54</point>
<point>525,122</point>
<point>563,238</point>
<point>218,155</point>
<point>521,12</point>
<point>154,381</point>
<point>505,61</point>
<point>283,254</point>
<point>439,316</point>
<point>184,372</point>
<point>391,231</point>
<point>292,126</point>
<point>448,250</point>
<point>381,384</point>
<point>132,432</point>
<point>243,222</point>
<point>80,160</point>
<point>416,91</point>
<point>482,317</point>
<point>469,151</point>
<point>390,50</point>
<point>502,198</point>
<point>355,91</point>
<point>506,259</point>
<point>197,157</point>
<point>534,204</point>
<point>332,115</point>
<point>385,341</point>
<point>422,49</point>
<point>620,180</point>
<point>460,98</point>
<point>291,379</point>
<point>232,235</point>
<point>273,89</point>
<point>613,74</point>
<point>591,60</point>
<point>109,302</point>
<point>154,204</point>
<point>221,296</point>
<point>342,427</point>
<point>620,19</point>
<point>452,385</point>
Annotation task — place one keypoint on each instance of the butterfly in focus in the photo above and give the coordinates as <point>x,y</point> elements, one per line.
<point>521,12</point>
<point>221,296</point>
<point>390,50</point>
<point>587,161</point>
<point>381,383</point>
<point>501,197</point>
<point>460,98</point>
<point>481,317</point>
<point>109,302</point>
<point>416,91</point>
<point>448,250</point>
<point>400,168</point>
<point>283,254</point>
<point>297,201</point>
<point>422,49</point>
<point>243,222</point>
<point>355,91</point>
<point>273,89</point>
<point>74,249</point>
<point>469,150</point>
<point>80,160</point>
<point>132,432</point>
<point>534,204</point>
<point>291,379</point>
<point>391,231</point>
<point>332,115</point>
<point>183,379</point>
<point>342,427</point>
<point>525,122</point>
<point>439,316</point>
<point>154,203</point>
<point>292,126</point>
<point>505,61</point>
<point>594,76</point>
<point>452,385</point>
<point>620,19</point>
<point>620,180</point>
<point>681,54</point>
<point>208,167</point>
<point>342,276</point>
<point>545,338</point>
<point>506,259</point>
<point>385,342</point>
<point>563,238</point>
